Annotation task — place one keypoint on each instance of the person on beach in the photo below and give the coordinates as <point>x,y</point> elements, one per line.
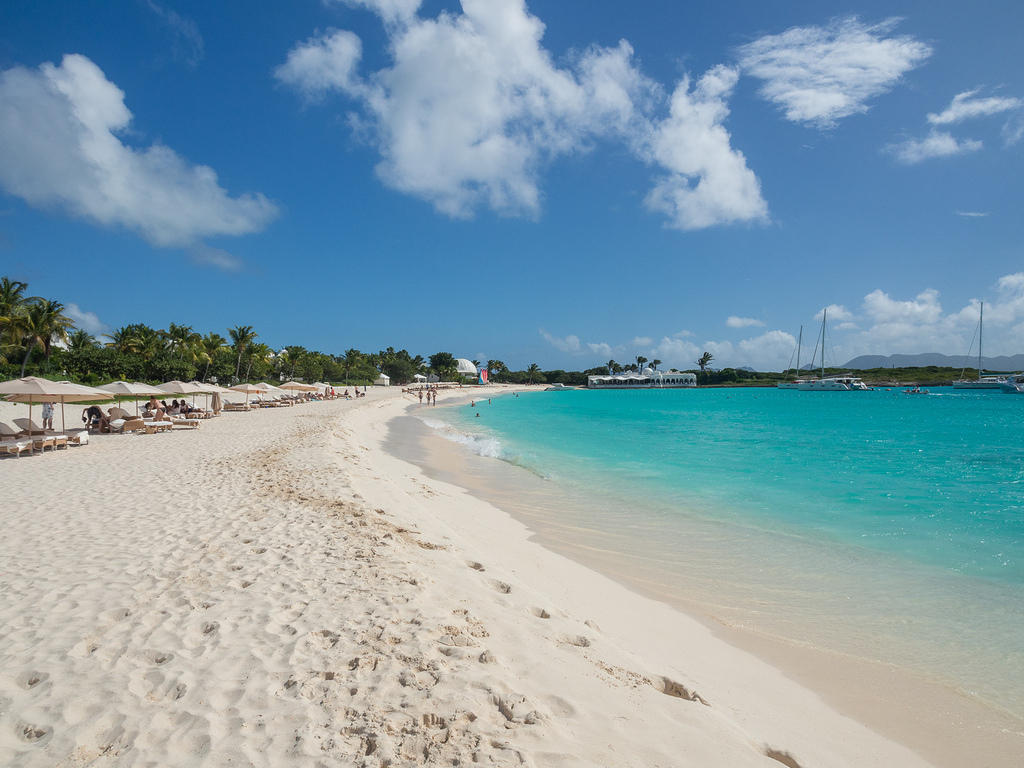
<point>421,397</point>
<point>93,416</point>
<point>47,415</point>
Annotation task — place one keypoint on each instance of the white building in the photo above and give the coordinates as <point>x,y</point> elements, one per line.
<point>465,367</point>
<point>383,380</point>
<point>649,379</point>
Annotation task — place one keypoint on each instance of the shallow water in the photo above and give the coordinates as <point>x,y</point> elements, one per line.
<point>878,524</point>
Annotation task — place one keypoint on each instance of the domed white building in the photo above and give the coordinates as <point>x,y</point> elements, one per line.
<point>465,367</point>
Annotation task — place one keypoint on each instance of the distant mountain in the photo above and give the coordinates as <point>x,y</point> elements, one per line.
<point>1000,363</point>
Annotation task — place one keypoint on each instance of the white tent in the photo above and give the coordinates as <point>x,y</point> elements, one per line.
<point>419,377</point>
<point>383,380</point>
<point>465,367</point>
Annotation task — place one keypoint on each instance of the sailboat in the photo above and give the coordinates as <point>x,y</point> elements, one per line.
<point>795,383</point>
<point>983,381</point>
<point>841,383</point>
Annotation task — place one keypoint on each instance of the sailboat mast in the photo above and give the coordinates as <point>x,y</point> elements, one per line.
<point>799,343</point>
<point>981,329</point>
<point>824,318</point>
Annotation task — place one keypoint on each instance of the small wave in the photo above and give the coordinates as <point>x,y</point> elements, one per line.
<point>482,445</point>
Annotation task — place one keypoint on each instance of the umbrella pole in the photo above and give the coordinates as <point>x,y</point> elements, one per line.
<point>62,428</point>
<point>32,449</point>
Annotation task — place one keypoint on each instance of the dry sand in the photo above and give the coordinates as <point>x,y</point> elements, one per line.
<point>274,589</point>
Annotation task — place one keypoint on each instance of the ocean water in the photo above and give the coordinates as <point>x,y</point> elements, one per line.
<point>878,524</point>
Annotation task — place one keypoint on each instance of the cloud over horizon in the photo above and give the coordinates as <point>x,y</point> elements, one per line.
<point>60,148</point>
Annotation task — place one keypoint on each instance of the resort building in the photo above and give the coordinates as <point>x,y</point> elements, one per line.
<point>649,379</point>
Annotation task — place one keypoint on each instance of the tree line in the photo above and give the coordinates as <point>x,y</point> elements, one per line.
<point>37,337</point>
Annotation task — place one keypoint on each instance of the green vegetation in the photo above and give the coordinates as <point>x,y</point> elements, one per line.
<point>38,338</point>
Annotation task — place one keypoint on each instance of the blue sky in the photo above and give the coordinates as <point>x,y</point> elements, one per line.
<point>553,182</point>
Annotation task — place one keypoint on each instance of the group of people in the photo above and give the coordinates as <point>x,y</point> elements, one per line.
<point>431,394</point>
<point>94,417</point>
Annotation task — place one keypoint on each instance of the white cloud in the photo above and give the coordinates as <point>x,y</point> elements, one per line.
<point>709,181</point>
<point>921,325</point>
<point>743,322</point>
<point>600,348</point>
<point>836,313</point>
<point>323,63</point>
<point>188,42</point>
<point>642,341</point>
<point>392,11</point>
<point>935,144</point>
<point>819,75</point>
<point>1013,131</point>
<point>473,107</point>
<point>570,343</point>
<point>214,257</point>
<point>973,214</point>
<point>966,106</point>
<point>59,147</point>
<point>87,321</point>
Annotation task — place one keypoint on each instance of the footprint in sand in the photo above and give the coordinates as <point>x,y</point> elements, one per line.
<point>30,679</point>
<point>158,658</point>
<point>501,586</point>
<point>475,565</point>
<point>32,733</point>
<point>540,613</point>
<point>677,690</point>
<point>578,640</point>
<point>210,627</point>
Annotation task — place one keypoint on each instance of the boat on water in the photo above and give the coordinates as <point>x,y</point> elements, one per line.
<point>1014,385</point>
<point>984,381</point>
<point>844,382</point>
<point>558,388</point>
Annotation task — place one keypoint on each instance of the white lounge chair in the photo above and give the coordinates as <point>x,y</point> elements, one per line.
<point>15,447</point>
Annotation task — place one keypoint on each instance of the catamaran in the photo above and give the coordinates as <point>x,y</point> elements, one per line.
<point>982,382</point>
<point>843,383</point>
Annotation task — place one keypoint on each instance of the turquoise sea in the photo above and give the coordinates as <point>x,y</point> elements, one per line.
<point>880,524</point>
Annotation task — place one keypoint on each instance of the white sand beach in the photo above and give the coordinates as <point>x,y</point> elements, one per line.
<point>275,589</point>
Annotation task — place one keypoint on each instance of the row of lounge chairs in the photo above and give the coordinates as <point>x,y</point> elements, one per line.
<point>29,436</point>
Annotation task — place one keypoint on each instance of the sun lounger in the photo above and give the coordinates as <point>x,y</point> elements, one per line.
<point>78,438</point>
<point>16,447</point>
<point>7,431</point>
<point>191,423</point>
<point>42,442</point>
<point>157,426</point>
<point>235,407</point>
<point>29,427</point>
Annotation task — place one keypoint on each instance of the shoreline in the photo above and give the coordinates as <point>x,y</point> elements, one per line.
<point>277,588</point>
<point>938,721</point>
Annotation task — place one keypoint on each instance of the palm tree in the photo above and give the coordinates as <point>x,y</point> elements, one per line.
<point>79,341</point>
<point>42,324</point>
<point>211,344</point>
<point>182,339</point>
<point>241,337</point>
<point>124,339</point>
<point>611,366</point>
<point>533,370</point>
<point>261,352</point>
<point>12,310</point>
<point>655,363</point>
<point>704,361</point>
<point>640,360</point>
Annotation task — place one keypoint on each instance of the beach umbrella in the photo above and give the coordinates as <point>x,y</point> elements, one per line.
<point>35,390</point>
<point>299,386</point>
<point>210,390</point>
<point>247,389</point>
<point>134,390</point>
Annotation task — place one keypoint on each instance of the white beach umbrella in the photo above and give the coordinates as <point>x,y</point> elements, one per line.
<point>246,389</point>
<point>35,390</point>
<point>131,389</point>
<point>299,386</point>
